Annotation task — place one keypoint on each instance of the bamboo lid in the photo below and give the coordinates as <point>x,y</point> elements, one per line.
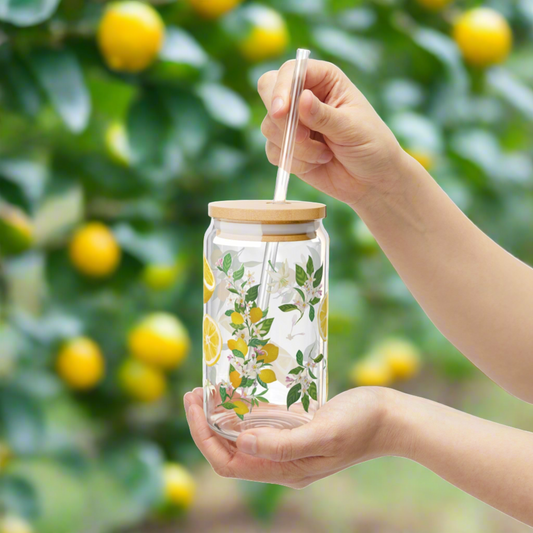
<point>266,211</point>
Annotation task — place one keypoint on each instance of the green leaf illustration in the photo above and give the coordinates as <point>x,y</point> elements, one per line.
<point>301,276</point>
<point>238,353</point>
<point>238,274</point>
<point>229,405</point>
<point>229,312</point>
<point>318,277</point>
<point>262,383</point>
<point>314,301</point>
<point>312,375</point>
<point>296,370</point>
<point>265,326</point>
<point>261,399</point>
<point>310,266</point>
<point>240,416</point>
<point>293,395</point>
<point>318,358</point>
<point>265,312</point>
<point>312,391</point>
<point>300,357</point>
<point>223,394</point>
<point>233,291</point>
<point>300,292</point>
<point>311,313</point>
<point>288,307</point>
<point>305,402</point>
<point>226,264</point>
<point>251,295</point>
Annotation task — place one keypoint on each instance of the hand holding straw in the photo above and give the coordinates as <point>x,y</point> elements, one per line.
<point>285,163</point>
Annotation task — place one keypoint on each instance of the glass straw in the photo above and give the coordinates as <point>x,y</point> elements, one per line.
<point>285,163</point>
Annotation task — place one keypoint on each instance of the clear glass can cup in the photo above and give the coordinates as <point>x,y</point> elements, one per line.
<point>265,328</point>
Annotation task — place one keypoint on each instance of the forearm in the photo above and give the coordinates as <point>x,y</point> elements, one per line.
<point>478,295</point>
<point>492,462</point>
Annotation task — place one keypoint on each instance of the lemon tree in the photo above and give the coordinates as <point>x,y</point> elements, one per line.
<point>80,363</point>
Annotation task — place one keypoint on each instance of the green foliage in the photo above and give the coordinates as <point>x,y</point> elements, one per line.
<point>191,123</point>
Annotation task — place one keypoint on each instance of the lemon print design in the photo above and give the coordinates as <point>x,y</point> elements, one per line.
<point>212,341</point>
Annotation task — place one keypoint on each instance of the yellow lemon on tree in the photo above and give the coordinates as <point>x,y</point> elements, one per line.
<point>402,356</point>
<point>130,36</point>
<point>271,353</point>
<point>80,363</point>
<point>212,341</point>
<point>14,524</point>
<point>160,339</point>
<point>237,318</point>
<point>255,315</point>
<point>434,5</point>
<point>117,143</point>
<point>142,382</point>
<point>423,157</point>
<point>268,35</point>
<point>323,317</point>
<point>94,250</point>
<point>235,379</point>
<point>484,36</point>
<point>179,485</point>
<point>371,371</point>
<point>16,230</point>
<point>209,281</point>
<point>267,376</point>
<point>160,277</point>
<point>238,344</point>
<point>240,408</point>
<point>211,9</point>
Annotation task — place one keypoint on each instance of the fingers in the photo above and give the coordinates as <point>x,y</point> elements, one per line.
<point>321,117</point>
<point>298,167</point>
<point>284,445</point>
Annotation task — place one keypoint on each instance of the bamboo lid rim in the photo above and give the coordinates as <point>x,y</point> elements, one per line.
<point>266,211</point>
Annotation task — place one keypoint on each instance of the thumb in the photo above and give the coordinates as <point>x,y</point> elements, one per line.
<point>320,117</point>
<point>282,445</point>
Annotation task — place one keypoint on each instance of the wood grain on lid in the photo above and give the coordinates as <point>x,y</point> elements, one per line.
<point>266,211</point>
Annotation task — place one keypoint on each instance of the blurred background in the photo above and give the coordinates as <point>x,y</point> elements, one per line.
<point>119,122</point>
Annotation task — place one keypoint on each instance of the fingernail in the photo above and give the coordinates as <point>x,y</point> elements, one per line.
<point>277,104</point>
<point>301,134</point>
<point>248,444</point>
<point>326,157</point>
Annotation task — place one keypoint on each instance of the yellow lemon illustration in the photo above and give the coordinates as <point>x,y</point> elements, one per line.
<point>272,352</point>
<point>240,408</point>
<point>267,376</point>
<point>235,379</point>
<point>94,250</point>
<point>130,35</point>
<point>237,318</point>
<point>209,281</point>
<point>80,363</point>
<point>161,340</point>
<point>142,382</point>
<point>484,36</point>
<point>179,485</point>
<point>238,344</point>
<point>212,341</point>
<point>323,317</point>
<point>255,315</point>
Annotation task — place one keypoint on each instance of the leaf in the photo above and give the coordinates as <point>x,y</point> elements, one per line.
<point>311,313</point>
<point>261,399</point>
<point>312,391</point>
<point>226,263</point>
<point>265,326</point>
<point>314,301</point>
<point>240,416</point>
<point>318,358</point>
<point>60,75</point>
<point>28,12</point>
<point>233,291</point>
<point>265,313</point>
<point>305,402</point>
<point>228,405</point>
<point>310,266</point>
<point>223,394</point>
<point>512,90</point>
<point>229,312</point>
<point>181,47</point>
<point>312,375</point>
<point>293,395</point>
<point>18,496</point>
<point>318,277</point>
<point>238,274</point>
<point>287,307</point>
<point>258,342</point>
<point>251,295</point>
<point>262,383</point>
<point>148,248</point>
<point>296,370</point>
<point>224,105</point>
<point>301,276</point>
<point>300,292</point>
<point>24,87</point>
<point>238,353</point>
<point>363,53</point>
<point>300,357</point>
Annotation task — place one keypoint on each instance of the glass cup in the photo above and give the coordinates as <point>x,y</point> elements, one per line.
<point>265,327</point>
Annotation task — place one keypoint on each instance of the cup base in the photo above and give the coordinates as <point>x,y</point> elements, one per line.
<point>228,425</point>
